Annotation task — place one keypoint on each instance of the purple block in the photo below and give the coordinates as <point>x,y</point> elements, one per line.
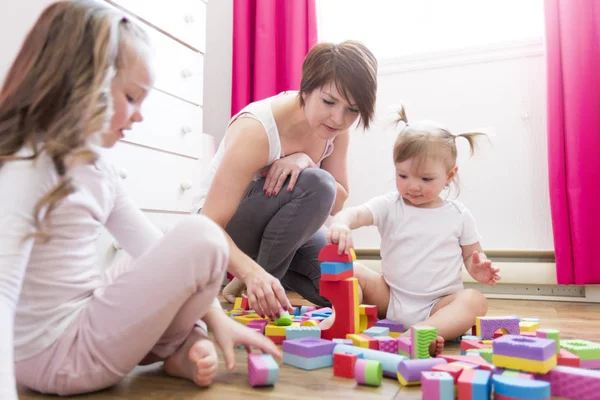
<point>387,344</point>
<point>530,348</point>
<point>411,370</point>
<point>308,347</point>
<point>393,326</point>
<point>490,325</point>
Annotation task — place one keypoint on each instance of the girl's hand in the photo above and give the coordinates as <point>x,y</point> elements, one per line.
<point>266,296</point>
<point>229,333</point>
<point>340,234</point>
<point>483,271</point>
<point>279,171</point>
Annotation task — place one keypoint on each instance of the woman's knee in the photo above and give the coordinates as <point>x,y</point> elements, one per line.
<point>318,182</point>
<point>476,301</point>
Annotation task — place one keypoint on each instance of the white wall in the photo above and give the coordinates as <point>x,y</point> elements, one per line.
<point>503,88</point>
<point>217,67</point>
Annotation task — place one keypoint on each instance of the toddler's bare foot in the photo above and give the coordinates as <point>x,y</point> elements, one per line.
<point>195,360</point>
<point>436,347</point>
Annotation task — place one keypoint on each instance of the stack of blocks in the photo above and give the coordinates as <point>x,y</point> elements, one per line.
<point>437,386</point>
<point>524,353</point>
<point>308,353</point>
<point>263,370</point>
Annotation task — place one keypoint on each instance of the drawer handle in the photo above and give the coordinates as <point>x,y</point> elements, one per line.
<point>123,173</point>
<point>186,185</point>
<point>186,73</point>
<point>116,245</point>
<point>185,129</point>
<point>189,18</point>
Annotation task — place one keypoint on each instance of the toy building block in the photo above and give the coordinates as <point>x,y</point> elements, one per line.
<point>309,322</point>
<point>513,387</point>
<point>284,319</point>
<point>473,344</point>
<point>421,338</point>
<point>568,359</point>
<point>308,353</point>
<point>306,309</point>
<point>368,316</point>
<point>404,346</point>
<point>389,362</point>
<point>588,352</point>
<point>241,302</point>
<point>387,344</point>
<point>453,370</point>
<point>529,326</point>
<point>465,365</point>
<point>409,371</point>
<point>517,374</point>
<point>470,337</point>
<point>574,383</point>
<point>246,319</point>
<point>330,253</point>
<point>477,360</point>
<point>524,354</point>
<point>487,326</point>
<point>474,384</point>
<point>343,364</point>
<point>368,372</point>
<point>275,333</point>
<point>263,370</point>
<point>486,354</point>
<point>343,296</point>
<point>344,341</point>
<point>297,332</point>
<point>375,331</point>
<point>437,386</point>
<point>336,271</point>
<point>361,340</point>
<point>337,277</point>
<point>553,334</point>
<point>258,323</point>
<point>396,328</point>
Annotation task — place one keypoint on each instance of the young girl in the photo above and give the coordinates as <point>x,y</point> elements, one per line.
<point>425,239</point>
<point>79,80</point>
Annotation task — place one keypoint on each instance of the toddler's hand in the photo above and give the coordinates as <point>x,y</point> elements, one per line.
<point>483,271</point>
<point>340,234</point>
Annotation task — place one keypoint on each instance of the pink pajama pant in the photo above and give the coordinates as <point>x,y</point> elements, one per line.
<point>148,306</point>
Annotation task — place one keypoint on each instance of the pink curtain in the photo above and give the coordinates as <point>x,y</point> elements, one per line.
<point>573,73</point>
<point>270,40</point>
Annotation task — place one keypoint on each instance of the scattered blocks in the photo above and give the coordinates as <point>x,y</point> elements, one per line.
<point>524,354</point>
<point>588,352</point>
<point>389,362</point>
<point>517,388</point>
<point>297,332</point>
<point>437,386</point>
<point>553,334</point>
<point>368,372</point>
<point>343,364</point>
<point>421,338</point>
<point>409,371</point>
<point>308,353</point>
<point>396,328</point>
<point>474,384</point>
<point>263,370</point>
<point>487,326</point>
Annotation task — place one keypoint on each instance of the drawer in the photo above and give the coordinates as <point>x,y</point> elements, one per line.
<point>156,180</point>
<point>169,124</point>
<point>178,70</point>
<point>183,19</point>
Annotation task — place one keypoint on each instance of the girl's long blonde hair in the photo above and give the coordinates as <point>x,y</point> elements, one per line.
<point>57,91</point>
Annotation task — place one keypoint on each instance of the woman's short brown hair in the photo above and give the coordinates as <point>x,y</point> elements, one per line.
<point>353,69</point>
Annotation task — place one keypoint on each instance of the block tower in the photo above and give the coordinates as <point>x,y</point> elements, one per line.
<point>340,287</point>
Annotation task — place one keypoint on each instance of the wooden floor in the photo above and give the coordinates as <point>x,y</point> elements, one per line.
<point>574,320</point>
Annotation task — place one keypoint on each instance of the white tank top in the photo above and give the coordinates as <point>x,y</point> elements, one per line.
<point>261,111</point>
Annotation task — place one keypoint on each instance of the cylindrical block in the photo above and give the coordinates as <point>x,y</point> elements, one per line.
<point>368,372</point>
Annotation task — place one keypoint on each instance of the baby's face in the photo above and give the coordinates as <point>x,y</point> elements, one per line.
<point>420,182</point>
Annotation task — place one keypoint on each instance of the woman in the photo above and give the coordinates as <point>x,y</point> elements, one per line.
<point>280,171</point>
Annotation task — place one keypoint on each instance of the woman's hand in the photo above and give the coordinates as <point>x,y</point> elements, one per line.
<point>279,171</point>
<point>266,296</point>
<point>229,333</point>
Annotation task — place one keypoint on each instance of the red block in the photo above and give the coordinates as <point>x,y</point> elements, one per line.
<point>473,344</point>
<point>453,369</point>
<point>340,294</point>
<point>371,314</point>
<point>330,253</point>
<point>343,364</point>
<point>569,359</point>
<point>338,277</point>
<point>277,339</point>
<point>477,360</point>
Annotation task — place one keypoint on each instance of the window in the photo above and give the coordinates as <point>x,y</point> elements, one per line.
<point>395,28</point>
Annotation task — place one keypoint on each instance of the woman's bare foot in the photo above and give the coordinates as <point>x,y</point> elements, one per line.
<point>195,360</point>
<point>436,347</point>
<point>233,290</point>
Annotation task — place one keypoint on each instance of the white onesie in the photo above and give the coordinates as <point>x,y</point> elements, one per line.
<point>421,253</point>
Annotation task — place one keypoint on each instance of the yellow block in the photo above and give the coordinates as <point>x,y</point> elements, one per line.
<point>274,330</point>
<point>357,340</point>
<point>353,254</point>
<point>529,326</point>
<point>245,319</point>
<point>487,341</point>
<point>404,383</point>
<point>522,364</point>
<point>362,323</point>
<point>309,322</point>
<point>356,305</point>
<point>238,303</point>
<point>395,334</point>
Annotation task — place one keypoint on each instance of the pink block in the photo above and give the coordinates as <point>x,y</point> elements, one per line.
<point>574,383</point>
<point>359,370</point>
<point>590,364</point>
<point>387,344</point>
<point>258,373</point>
<point>404,344</point>
<point>437,386</point>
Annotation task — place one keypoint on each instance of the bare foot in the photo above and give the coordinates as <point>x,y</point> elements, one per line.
<point>195,360</point>
<point>436,347</point>
<point>233,290</point>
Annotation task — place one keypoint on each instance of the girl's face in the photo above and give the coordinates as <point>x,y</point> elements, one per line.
<point>129,89</point>
<point>421,187</point>
<point>328,112</point>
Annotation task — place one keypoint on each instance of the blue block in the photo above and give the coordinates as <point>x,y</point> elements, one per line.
<point>482,385</point>
<point>273,368</point>
<point>297,332</point>
<point>335,267</point>
<point>308,363</point>
<point>511,386</point>
<point>377,331</point>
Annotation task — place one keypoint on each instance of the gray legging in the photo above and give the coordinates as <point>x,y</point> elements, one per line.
<point>284,233</point>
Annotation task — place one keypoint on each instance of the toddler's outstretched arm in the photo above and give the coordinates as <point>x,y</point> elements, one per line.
<point>478,265</point>
<point>345,221</point>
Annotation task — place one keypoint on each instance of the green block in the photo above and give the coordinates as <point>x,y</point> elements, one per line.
<point>373,373</point>
<point>284,319</point>
<point>422,336</point>
<point>486,354</point>
<point>584,349</point>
